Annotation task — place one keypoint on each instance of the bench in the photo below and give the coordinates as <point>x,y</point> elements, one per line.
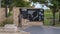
<point>10,28</point>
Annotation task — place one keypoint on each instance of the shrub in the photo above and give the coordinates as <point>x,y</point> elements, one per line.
<point>7,21</point>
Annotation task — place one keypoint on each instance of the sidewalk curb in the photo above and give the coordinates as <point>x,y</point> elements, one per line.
<point>51,27</point>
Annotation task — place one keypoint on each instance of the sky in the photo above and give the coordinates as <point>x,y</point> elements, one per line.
<point>40,6</point>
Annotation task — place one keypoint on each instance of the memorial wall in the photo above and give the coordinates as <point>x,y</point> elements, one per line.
<point>27,16</point>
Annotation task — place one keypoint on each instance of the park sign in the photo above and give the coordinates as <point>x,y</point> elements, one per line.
<point>32,14</point>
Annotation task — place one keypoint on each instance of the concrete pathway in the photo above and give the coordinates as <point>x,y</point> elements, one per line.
<point>42,30</point>
<point>3,31</point>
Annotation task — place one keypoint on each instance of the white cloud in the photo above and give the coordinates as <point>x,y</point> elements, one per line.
<point>40,6</point>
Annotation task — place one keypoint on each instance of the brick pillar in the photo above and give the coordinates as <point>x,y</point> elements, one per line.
<point>15,15</point>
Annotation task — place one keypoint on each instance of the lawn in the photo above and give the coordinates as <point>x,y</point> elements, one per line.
<point>48,18</point>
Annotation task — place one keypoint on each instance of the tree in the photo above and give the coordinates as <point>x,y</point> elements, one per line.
<point>52,4</point>
<point>22,3</point>
<point>11,3</point>
<point>17,3</point>
<point>55,5</point>
<point>59,9</point>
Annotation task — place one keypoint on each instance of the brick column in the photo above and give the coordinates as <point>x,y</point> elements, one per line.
<point>15,15</point>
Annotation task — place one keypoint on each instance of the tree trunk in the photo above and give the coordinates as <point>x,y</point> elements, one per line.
<point>19,20</point>
<point>53,19</point>
<point>6,10</point>
<point>59,15</point>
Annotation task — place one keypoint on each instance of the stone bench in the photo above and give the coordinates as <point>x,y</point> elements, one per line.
<point>10,27</point>
<point>9,32</point>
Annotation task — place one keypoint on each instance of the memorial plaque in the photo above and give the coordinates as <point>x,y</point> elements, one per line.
<point>33,14</point>
<point>23,9</point>
<point>41,15</point>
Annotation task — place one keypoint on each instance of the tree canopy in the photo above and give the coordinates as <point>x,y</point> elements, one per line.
<point>18,3</point>
<point>53,4</point>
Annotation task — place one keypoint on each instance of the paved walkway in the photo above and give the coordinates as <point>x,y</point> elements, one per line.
<point>42,30</point>
<point>3,31</point>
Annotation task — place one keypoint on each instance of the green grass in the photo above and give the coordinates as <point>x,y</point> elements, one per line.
<point>50,15</point>
<point>8,20</point>
<point>46,22</point>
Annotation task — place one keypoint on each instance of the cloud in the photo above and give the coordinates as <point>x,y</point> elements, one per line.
<point>41,6</point>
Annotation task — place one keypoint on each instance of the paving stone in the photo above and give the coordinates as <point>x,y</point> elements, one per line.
<point>2,31</point>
